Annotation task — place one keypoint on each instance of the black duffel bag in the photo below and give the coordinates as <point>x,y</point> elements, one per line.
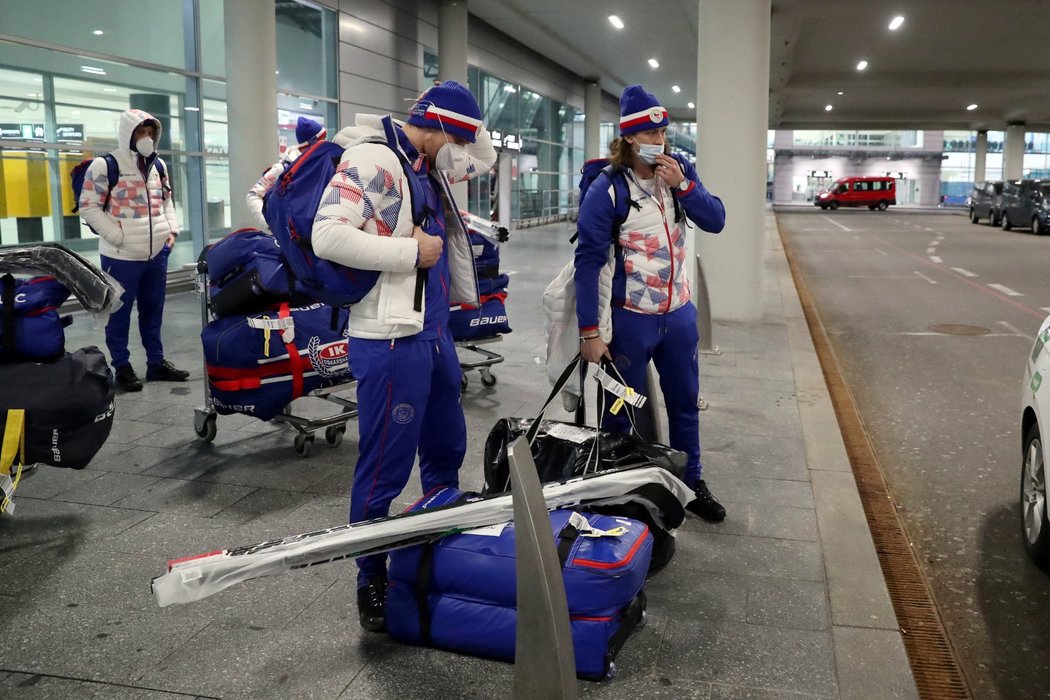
<point>68,403</point>
<point>564,450</point>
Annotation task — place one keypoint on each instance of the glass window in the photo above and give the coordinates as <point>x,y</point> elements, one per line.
<point>306,57</point>
<point>112,27</point>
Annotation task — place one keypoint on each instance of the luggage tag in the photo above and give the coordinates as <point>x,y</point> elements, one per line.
<point>624,393</point>
<point>284,326</point>
<point>584,527</point>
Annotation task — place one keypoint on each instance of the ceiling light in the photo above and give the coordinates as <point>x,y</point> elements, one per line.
<point>896,23</point>
<point>109,89</point>
<point>841,93</point>
<point>98,32</point>
<point>654,63</point>
<point>692,106</point>
<point>676,89</point>
<point>192,109</point>
<point>93,70</point>
<point>862,65</point>
<point>970,108</point>
<point>827,108</point>
<point>616,21</point>
<point>510,88</point>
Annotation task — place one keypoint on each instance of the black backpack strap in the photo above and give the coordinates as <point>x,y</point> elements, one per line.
<point>566,539</point>
<point>7,301</point>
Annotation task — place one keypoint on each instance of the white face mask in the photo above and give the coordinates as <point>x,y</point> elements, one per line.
<point>649,151</point>
<point>452,159</point>
<point>144,146</point>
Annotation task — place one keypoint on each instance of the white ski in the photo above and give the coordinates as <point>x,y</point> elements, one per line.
<point>196,577</point>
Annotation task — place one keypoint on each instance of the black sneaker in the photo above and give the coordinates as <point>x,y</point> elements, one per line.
<point>705,504</point>
<point>371,604</point>
<point>127,379</point>
<point>166,372</point>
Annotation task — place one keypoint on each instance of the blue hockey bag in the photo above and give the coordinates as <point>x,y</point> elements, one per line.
<point>260,363</point>
<point>247,274</point>
<point>30,325</point>
<point>469,322</point>
<point>460,592</point>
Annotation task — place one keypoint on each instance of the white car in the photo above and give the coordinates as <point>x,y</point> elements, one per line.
<point>1035,420</point>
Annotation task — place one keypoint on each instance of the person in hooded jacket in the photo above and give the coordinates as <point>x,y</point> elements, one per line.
<point>404,358</point>
<point>307,133</point>
<point>653,317</point>
<point>137,229</point>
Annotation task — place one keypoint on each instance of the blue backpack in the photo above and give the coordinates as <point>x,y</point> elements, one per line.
<point>112,173</point>
<point>290,206</point>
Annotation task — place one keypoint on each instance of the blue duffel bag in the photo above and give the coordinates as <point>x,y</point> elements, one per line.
<point>460,592</point>
<point>468,322</point>
<point>247,274</point>
<point>30,325</point>
<point>260,363</point>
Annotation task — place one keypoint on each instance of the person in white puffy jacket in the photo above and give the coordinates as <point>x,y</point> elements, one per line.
<point>307,133</point>
<point>136,227</point>
<point>402,355</point>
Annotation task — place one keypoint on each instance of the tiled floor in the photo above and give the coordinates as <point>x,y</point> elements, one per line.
<point>780,600</point>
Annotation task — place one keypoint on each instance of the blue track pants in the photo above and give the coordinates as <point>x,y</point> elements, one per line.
<point>408,394</point>
<point>145,283</point>
<point>670,342</point>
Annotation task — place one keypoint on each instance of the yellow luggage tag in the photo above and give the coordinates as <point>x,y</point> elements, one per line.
<point>14,444</point>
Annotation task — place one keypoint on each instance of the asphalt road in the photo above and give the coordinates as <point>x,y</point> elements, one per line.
<point>943,410</point>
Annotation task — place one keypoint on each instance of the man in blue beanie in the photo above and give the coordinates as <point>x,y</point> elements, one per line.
<point>403,357</point>
<point>650,313</point>
<point>307,133</point>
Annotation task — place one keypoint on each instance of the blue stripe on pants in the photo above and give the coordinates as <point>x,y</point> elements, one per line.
<point>670,342</point>
<point>408,395</point>
<point>144,283</point>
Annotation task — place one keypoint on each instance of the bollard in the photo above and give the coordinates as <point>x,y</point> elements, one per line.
<point>544,660</point>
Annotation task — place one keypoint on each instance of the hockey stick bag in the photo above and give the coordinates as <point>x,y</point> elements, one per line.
<point>199,576</point>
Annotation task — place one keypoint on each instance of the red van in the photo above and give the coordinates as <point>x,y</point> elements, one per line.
<point>871,192</point>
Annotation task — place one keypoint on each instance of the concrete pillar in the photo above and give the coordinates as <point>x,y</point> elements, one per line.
<point>592,120</point>
<point>732,123</point>
<point>980,156</point>
<point>251,98</point>
<point>1013,151</point>
<point>452,60</point>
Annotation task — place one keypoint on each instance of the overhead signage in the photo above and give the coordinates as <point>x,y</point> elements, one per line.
<point>507,141</point>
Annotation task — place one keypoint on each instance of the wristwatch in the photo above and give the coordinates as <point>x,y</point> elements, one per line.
<point>683,185</point>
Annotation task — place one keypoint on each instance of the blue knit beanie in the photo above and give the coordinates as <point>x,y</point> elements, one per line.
<point>640,111</point>
<point>307,131</point>
<point>449,106</point>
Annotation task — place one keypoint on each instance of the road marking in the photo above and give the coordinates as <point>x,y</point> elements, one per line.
<point>936,259</point>
<point>964,273</point>
<point>931,249</point>
<point>925,277</point>
<point>837,224</point>
<point>1008,327</point>
<point>1005,290</point>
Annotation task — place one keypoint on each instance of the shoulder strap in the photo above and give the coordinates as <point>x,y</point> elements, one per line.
<point>112,175</point>
<point>419,201</point>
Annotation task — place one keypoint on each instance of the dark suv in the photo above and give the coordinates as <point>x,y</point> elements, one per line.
<point>985,201</point>
<point>1025,204</point>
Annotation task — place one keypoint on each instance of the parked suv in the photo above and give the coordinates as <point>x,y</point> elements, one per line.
<point>986,201</point>
<point>1025,205</point>
<point>871,192</point>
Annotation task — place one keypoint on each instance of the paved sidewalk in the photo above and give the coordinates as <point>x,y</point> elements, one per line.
<point>784,599</point>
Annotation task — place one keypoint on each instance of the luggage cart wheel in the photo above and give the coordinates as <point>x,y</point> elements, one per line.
<point>333,435</point>
<point>207,429</point>
<point>302,444</point>
<point>488,378</point>
<point>610,672</point>
<point>463,381</point>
